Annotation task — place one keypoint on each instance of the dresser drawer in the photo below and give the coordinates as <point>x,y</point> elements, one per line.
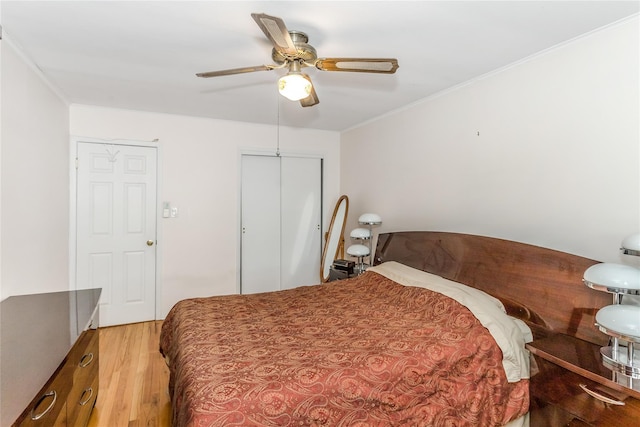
<point>85,357</point>
<point>48,408</point>
<point>79,416</point>
<point>563,398</point>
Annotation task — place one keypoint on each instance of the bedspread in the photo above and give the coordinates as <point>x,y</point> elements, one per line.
<point>365,351</point>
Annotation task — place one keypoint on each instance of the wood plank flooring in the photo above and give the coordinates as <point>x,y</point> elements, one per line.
<point>133,378</point>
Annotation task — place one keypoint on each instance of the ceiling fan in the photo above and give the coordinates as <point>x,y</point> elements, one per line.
<point>291,51</point>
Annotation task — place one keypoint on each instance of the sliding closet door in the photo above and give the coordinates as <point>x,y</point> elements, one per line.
<point>301,215</point>
<point>281,222</point>
<point>260,251</point>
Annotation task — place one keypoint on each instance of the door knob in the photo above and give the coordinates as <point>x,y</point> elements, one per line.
<point>149,242</point>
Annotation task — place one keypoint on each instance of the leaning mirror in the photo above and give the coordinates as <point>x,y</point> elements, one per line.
<point>334,238</point>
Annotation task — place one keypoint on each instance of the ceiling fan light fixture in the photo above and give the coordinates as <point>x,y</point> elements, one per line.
<point>294,86</point>
<point>291,50</point>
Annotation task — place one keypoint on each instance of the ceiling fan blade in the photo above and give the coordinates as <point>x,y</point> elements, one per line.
<point>312,99</point>
<point>276,31</point>
<point>235,71</point>
<point>358,65</point>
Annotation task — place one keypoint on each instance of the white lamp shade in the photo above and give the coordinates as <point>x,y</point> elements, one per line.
<point>620,320</point>
<point>360,233</point>
<point>358,250</point>
<point>631,244</point>
<point>370,219</point>
<point>612,277</point>
<point>294,86</point>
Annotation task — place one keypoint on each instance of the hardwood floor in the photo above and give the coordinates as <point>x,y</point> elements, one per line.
<point>133,378</point>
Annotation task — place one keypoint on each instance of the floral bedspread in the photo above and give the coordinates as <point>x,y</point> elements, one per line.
<point>365,351</point>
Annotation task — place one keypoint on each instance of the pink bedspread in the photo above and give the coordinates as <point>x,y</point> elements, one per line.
<point>358,352</point>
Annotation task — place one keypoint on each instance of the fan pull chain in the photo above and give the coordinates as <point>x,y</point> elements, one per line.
<point>278,129</point>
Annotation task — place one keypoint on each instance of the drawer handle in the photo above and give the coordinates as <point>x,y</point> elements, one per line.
<point>35,416</point>
<point>602,397</point>
<point>85,401</point>
<point>83,363</point>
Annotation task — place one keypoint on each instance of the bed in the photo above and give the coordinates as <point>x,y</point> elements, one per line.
<point>433,334</point>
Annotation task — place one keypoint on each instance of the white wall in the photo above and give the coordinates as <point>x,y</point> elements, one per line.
<point>544,152</point>
<point>200,175</point>
<point>34,181</point>
<point>1,44</point>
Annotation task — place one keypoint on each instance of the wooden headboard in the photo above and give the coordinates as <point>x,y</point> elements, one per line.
<point>541,286</point>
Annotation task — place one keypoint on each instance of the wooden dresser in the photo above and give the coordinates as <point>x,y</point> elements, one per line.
<point>49,358</point>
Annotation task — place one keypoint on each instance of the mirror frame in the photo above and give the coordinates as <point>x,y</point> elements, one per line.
<point>334,237</point>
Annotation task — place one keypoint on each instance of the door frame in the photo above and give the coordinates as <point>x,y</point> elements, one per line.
<point>73,196</point>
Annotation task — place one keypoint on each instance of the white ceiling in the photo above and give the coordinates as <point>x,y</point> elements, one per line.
<point>143,55</point>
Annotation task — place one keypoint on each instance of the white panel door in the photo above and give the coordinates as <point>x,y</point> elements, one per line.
<point>116,229</point>
<point>301,234</point>
<point>260,245</point>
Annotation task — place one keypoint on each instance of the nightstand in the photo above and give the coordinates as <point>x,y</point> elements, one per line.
<point>570,386</point>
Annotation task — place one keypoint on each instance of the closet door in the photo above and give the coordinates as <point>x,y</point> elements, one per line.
<point>301,240</point>
<point>281,222</point>
<point>260,244</point>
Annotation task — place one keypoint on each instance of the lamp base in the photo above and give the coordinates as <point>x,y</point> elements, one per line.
<point>619,362</point>
<point>360,268</point>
